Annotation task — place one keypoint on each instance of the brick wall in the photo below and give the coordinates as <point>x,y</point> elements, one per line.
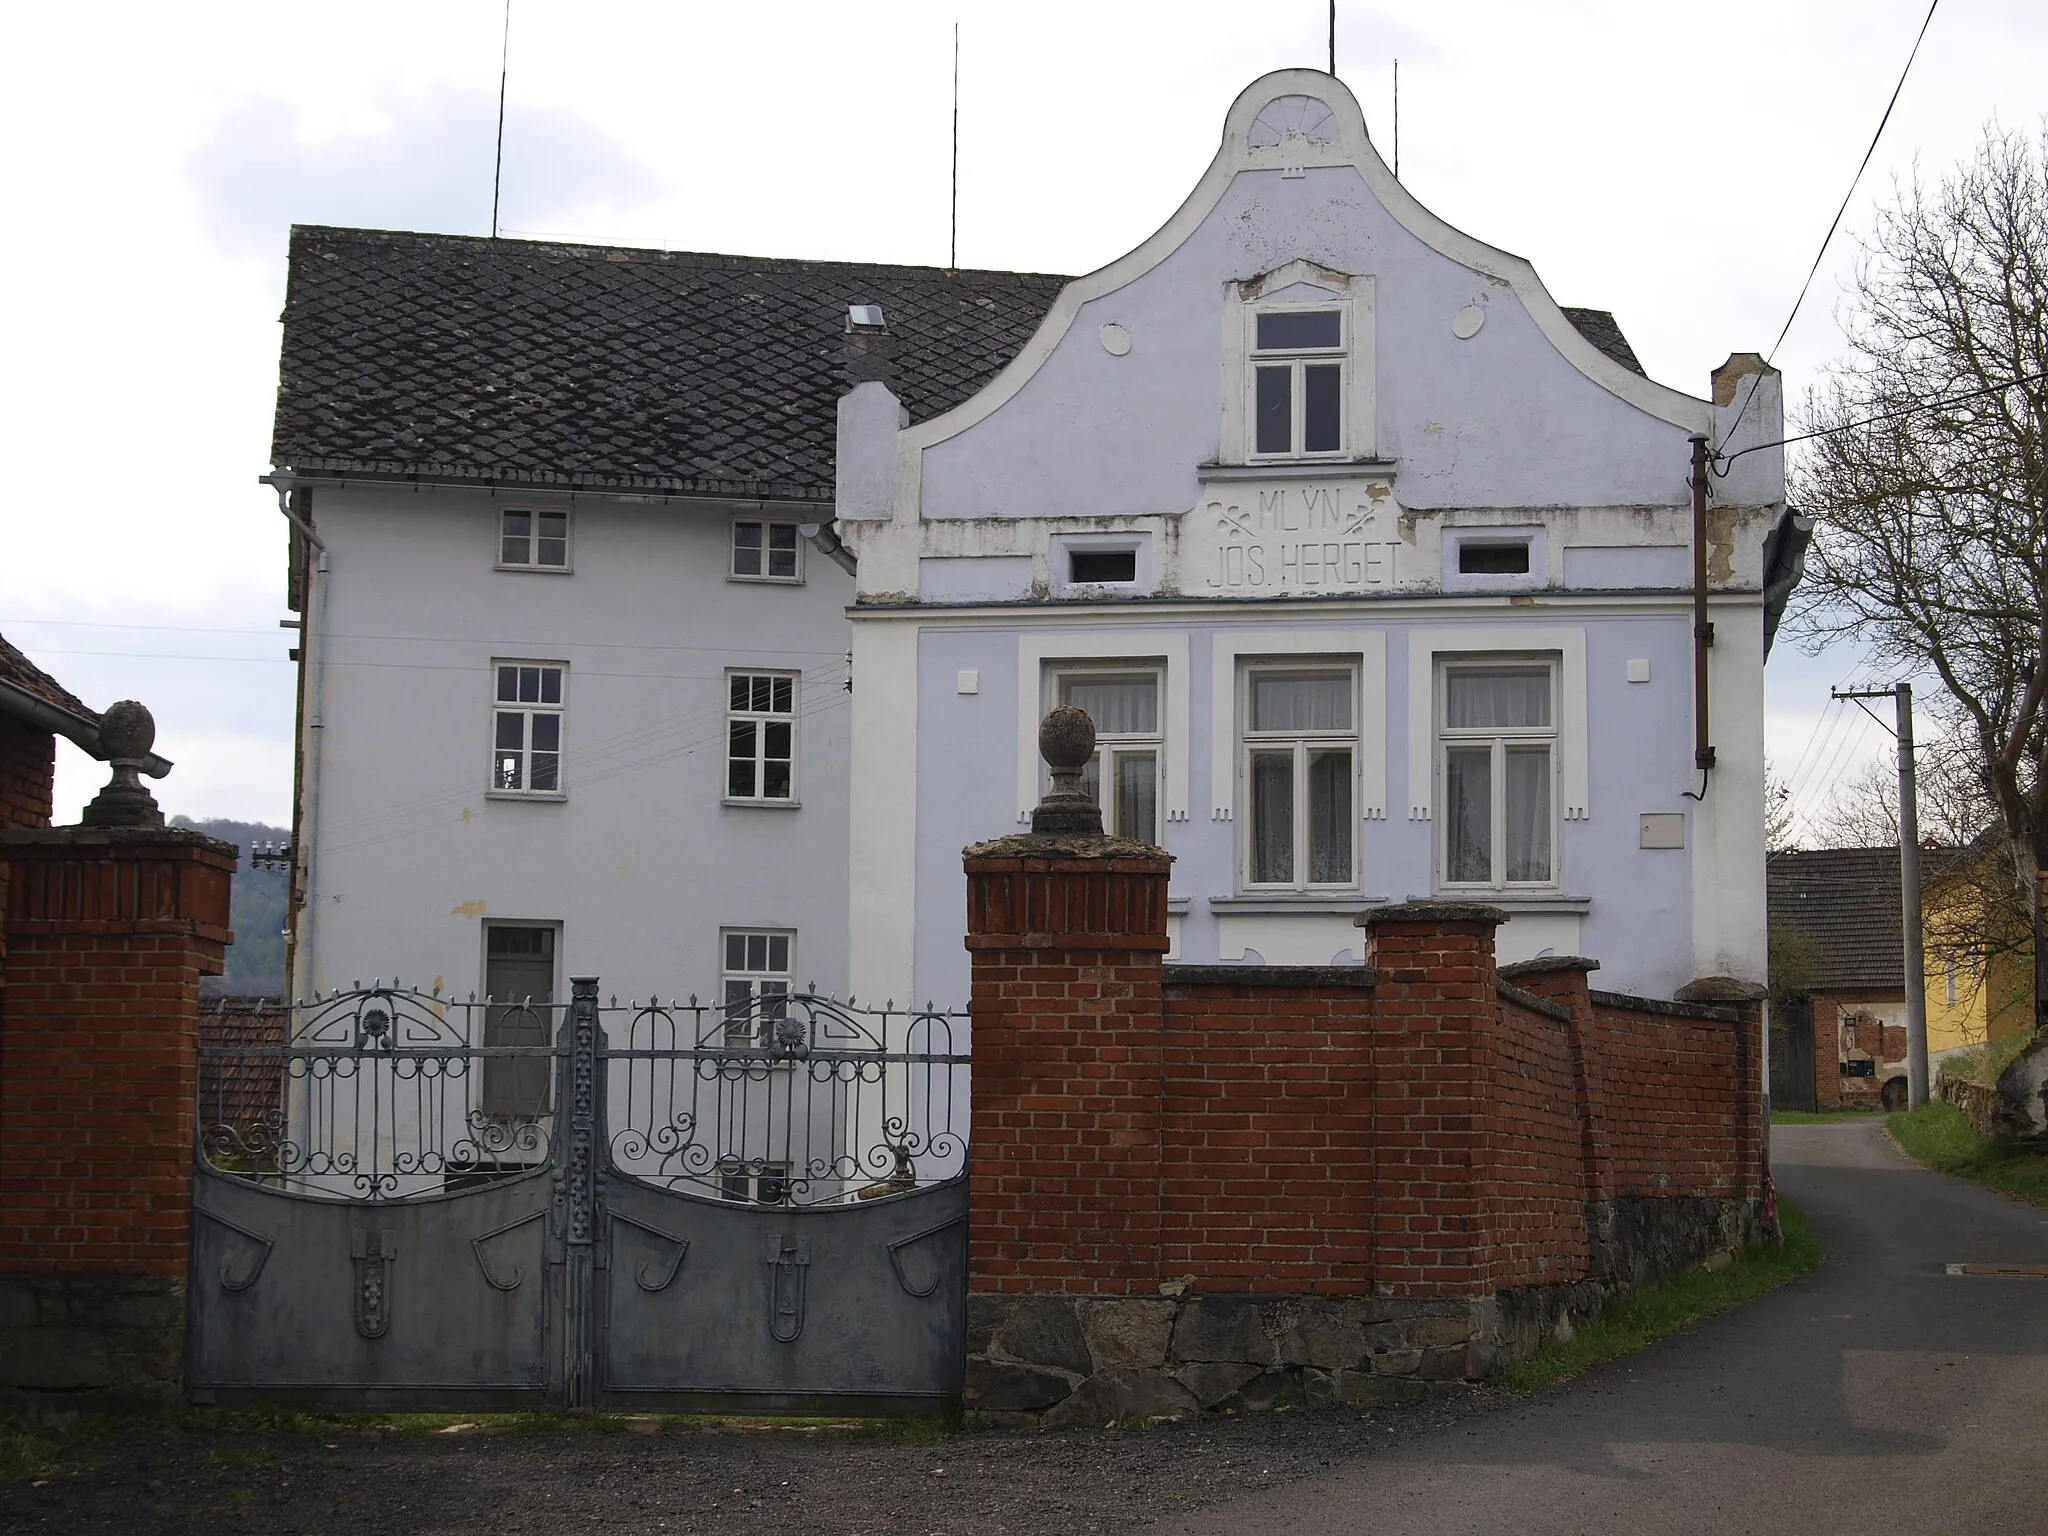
<point>28,765</point>
<point>108,935</point>
<point>1535,1189</point>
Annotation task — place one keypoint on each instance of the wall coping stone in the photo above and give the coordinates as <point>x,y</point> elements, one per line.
<point>1549,1009</point>
<point>1544,965</point>
<point>1670,1010</point>
<point>1354,976</point>
<point>1431,912</point>
<point>36,840</point>
<point>1720,989</point>
<point>1064,846</point>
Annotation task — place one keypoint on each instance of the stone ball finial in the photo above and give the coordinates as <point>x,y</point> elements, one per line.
<point>1066,738</point>
<point>127,730</point>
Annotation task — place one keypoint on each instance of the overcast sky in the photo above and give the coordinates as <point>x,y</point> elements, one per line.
<point>1675,164</point>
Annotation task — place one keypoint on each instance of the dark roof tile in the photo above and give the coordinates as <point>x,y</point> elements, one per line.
<point>17,669</point>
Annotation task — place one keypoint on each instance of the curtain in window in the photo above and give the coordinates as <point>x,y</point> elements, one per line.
<point>1137,795</point>
<point>1287,703</point>
<point>1528,813</point>
<point>1118,706</point>
<point>1272,839</point>
<point>1497,700</point>
<point>1468,834</point>
<point>1329,817</point>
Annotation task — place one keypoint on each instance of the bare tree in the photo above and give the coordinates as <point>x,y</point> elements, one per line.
<point>1864,811</point>
<point>1781,817</point>
<point>1930,478</point>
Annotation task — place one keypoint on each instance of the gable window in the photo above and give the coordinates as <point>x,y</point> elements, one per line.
<point>1299,762</point>
<point>1497,752</point>
<point>756,981</point>
<point>1297,382</point>
<point>526,728</point>
<point>1123,775</point>
<point>766,551</point>
<point>533,541</point>
<point>760,756</point>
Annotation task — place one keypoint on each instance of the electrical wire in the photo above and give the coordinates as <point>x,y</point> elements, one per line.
<point>1836,224</point>
<point>1871,421</point>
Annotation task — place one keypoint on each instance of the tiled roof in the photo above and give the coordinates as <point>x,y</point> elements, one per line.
<point>24,674</point>
<point>1848,900</point>
<point>455,357</point>
<point>1600,328</point>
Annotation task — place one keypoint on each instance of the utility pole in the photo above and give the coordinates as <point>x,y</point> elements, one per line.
<point>1909,890</point>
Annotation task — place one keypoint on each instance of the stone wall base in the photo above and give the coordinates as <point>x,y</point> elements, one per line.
<point>1043,1358</point>
<point>91,1342</point>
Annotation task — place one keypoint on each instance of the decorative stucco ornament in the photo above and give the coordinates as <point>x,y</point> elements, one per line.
<point>1116,341</point>
<point>1292,116</point>
<point>1466,322</point>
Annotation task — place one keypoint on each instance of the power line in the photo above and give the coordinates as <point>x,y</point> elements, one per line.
<point>1836,224</point>
<point>498,166</point>
<point>1871,421</point>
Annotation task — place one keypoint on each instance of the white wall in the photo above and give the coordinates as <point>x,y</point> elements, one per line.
<point>641,864</point>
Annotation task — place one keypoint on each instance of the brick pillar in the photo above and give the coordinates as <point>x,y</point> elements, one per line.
<point>1068,937</point>
<point>1565,979</point>
<point>1437,1003</point>
<point>108,932</point>
<point>1745,999</point>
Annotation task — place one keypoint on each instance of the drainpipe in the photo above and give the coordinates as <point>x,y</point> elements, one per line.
<point>825,540</point>
<point>1702,630</point>
<point>312,696</point>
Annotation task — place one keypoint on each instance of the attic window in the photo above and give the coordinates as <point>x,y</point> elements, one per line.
<point>1505,559</point>
<point>865,317</point>
<point>1093,566</point>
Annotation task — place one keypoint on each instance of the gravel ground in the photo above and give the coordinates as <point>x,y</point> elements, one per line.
<point>674,1476</point>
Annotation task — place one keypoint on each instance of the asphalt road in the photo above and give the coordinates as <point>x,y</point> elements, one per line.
<point>1876,1394</point>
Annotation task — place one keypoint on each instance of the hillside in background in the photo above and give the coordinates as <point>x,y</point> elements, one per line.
<point>256,961</point>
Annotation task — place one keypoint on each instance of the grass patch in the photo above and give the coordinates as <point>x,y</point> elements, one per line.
<point>1984,1063</point>
<point>1819,1116</point>
<point>1940,1136</point>
<point>1632,1322</point>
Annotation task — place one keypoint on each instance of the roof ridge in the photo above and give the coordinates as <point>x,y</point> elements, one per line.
<point>349,234</point>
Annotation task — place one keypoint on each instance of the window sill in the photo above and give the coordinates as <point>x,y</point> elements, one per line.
<point>536,570</point>
<point>1303,903</point>
<point>1336,467</point>
<point>555,797</point>
<point>761,805</point>
<point>1512,901</point>
<point>765,581</point>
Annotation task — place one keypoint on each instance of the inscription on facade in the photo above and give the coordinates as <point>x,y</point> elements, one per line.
<point>1299,537</point>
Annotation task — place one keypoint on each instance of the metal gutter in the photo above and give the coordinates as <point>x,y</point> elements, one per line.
<point>81,730</point>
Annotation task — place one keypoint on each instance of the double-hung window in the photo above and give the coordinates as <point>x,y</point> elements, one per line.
<point>756,982</point>
<point>1123,775</point>
<point>533,541</point>
<point>1297,382</point>
<point>526,728</point>
<point>766,551</point>
<point>1497,755</point>
<point>1300,755</point>
<point>760,753</point>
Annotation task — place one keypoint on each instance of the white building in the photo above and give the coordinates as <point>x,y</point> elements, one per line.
<point>1373,565</point>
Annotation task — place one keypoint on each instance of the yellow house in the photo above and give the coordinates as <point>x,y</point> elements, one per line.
<point>1980,960</point>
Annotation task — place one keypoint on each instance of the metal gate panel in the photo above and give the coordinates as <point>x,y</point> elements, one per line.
<point>830,1308</point>
<point>433,1303</point>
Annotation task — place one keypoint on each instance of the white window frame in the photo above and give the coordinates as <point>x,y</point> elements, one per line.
<point>533,540</point>
<point>748,1032</point>
<point>764,523</point>
<point>1302,743</point>
<point>1430,644</point>
<point>1132,647</point>
<point>1297,360</point>
<point>761,719</point>
<point>529,709</point>
<point>1110,745</point>
<point>1501,740</point>
<point>1308,286</point>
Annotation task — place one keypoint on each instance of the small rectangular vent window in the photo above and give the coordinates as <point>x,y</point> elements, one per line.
<point>1101,565</point>
<point>1494,559</point>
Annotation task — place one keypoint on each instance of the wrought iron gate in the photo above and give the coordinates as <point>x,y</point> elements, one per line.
<point>419,1202</point>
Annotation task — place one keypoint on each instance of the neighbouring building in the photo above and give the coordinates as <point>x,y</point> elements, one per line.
<point>1980,952</point>
<point>678,618</point>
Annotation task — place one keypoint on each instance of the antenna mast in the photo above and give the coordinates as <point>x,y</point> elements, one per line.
<point>953,248</point>
<point>1397,116</point>
<point>1333,39</point>
<point>498,169</point>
